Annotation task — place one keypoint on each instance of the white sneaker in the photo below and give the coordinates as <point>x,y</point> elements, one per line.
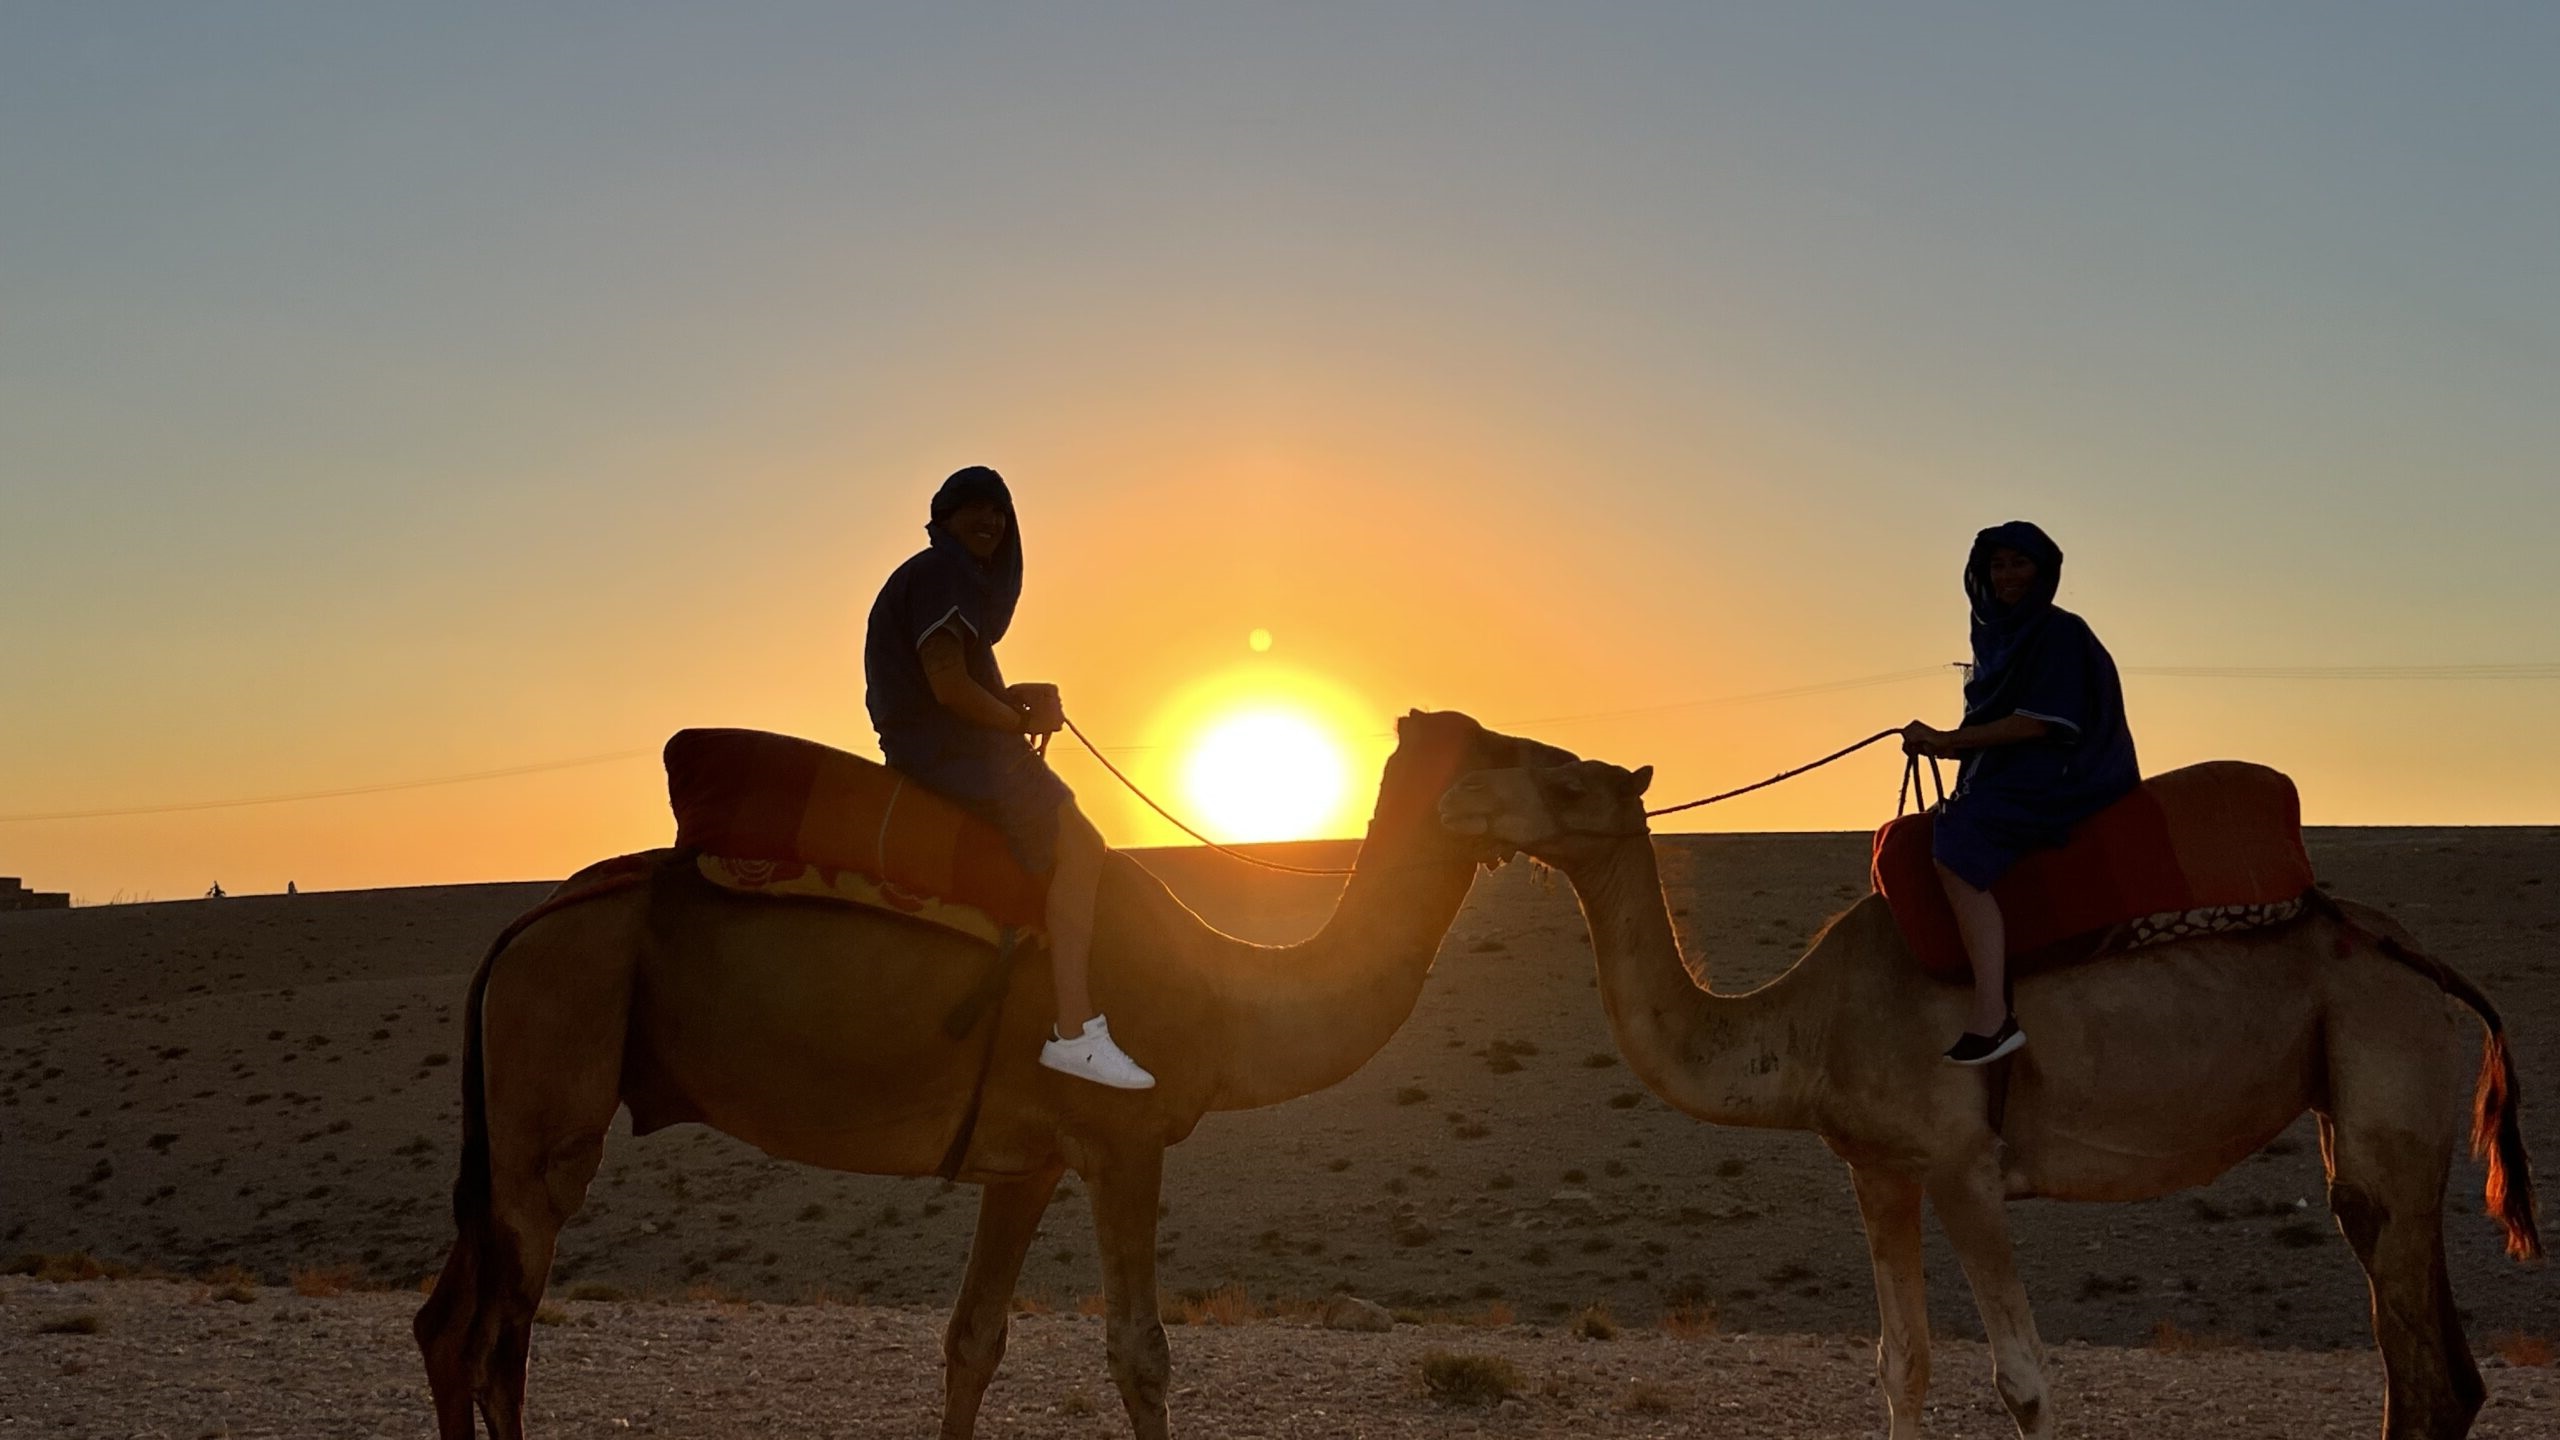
<point>1091,1055</point>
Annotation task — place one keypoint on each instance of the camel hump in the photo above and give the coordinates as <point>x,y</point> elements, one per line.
<point>2212,845</point>
<point>752,795</point>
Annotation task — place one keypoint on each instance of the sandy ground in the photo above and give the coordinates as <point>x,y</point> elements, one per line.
<point>178,1361</point>
<point>269,1082</point>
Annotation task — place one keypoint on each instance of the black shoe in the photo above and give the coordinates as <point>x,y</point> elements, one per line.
<point>1972,1049</point>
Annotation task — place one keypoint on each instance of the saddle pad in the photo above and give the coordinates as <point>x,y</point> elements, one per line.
<point>749,795</point>
<point>792,879</point>
<point>2212,837</point>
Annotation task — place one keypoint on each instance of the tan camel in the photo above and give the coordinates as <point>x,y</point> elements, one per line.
<point>817,1032</point>
<point>2150,1072</point>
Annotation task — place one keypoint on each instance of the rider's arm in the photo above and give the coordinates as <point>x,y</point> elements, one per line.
<point>2007,730</point>
<point>946,669</point>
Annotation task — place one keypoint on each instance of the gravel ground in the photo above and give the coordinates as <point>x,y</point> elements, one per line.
<point>189,1361</point>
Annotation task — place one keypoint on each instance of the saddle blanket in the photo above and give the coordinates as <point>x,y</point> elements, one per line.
<point>776,815</point>
<point>2208,848</point>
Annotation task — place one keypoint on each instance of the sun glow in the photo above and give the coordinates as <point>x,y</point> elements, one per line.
<point>1270,774</point>
<point>1266,752</point>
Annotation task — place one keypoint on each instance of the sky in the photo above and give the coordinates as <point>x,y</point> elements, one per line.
<point>390,395</point>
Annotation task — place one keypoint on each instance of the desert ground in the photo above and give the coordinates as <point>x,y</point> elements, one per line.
<point>266,1086</point>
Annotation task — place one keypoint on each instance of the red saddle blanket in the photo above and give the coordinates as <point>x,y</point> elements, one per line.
<point>2223,833</point>
<point>752,795</point>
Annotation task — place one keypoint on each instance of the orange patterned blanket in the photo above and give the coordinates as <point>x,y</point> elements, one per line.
<point>772,814</point>
<point>2223,838</point>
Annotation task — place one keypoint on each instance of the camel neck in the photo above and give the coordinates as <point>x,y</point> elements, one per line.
<point>1305,1016</point>
<point>1729,1059</point>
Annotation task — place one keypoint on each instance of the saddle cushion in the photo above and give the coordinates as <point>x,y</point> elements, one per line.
<point>2221,836</point>
<point>816,812</point>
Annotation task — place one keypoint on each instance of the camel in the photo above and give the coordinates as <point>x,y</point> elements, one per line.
<point>2150,1071</point>
<point>818,1033</point>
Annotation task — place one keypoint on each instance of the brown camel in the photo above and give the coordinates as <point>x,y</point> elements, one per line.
<point>817,1032</point>
<point>2150,1071</point>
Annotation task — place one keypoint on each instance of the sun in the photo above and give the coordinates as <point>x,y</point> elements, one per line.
<point>1271,772</point>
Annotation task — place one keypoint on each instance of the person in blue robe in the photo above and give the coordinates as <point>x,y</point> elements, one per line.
<point>948,721</point>
<point>2043,745</point>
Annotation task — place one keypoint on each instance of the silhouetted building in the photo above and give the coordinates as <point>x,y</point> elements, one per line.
<point>16,896</point>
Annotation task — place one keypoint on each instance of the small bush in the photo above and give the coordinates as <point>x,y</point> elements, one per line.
<point>2168,1338</point>
<point>2299,1234</point>
<point>1077,1402</point>
<point>1690,1320</point>
<point>1625,1100</point>
<point>1646,1398</point>
<point>1411,1095</point>
<point>1456,1379</point>
<point>2525,1352</point>
<point>83,1323</point>
<point>550,1315</point>
<point>319,1282</point>
<point>1596,1323</point>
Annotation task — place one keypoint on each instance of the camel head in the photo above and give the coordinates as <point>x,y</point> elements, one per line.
<point>1439,752</point>
<point>1552,812</point>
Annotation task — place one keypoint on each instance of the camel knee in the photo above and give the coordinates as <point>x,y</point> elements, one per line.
<point>1903,1373</point>
<point>973,1344</point>
<point>2360,1216</point>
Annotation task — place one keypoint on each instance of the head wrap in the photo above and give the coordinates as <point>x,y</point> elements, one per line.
<point>2004,635</point>
<point>997,580</point>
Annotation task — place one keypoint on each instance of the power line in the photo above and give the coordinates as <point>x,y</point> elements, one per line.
<point>2495,671</point>
<point>537,768</point>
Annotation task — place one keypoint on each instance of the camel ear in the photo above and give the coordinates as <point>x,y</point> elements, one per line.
<point>1640,781</point>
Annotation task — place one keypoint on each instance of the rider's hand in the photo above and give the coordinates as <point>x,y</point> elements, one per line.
<point>1922,738</point>
<point>1043,713</point>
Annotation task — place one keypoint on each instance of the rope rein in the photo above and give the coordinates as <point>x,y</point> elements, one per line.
<point>1910,793</point>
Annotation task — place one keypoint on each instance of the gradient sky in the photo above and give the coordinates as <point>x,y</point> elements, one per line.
<point>395,393</point>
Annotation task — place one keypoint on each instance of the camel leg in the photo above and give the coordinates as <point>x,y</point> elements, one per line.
<point>1891,1206</point>
<point>1008,1219</point>
<point>1125,1186</point>
<point>1972,1209</point>
<point>2386,1188</point>
<point>552,1085</point>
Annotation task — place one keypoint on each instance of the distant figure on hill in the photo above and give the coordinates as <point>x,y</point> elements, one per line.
<point>216,892</point>
<point>2043,746</point>
<point>949,722</point>
<point>289,890</point>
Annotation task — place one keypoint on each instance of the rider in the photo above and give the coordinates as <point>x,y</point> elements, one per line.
<point>2043,746</point>
<point>949,722</point>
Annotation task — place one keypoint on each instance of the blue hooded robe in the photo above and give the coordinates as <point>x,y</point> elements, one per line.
<point>2038,660</point>
<point>991,773</point>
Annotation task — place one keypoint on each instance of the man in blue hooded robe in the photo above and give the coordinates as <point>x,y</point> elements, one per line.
<point>2043,746</point>
<point>948,721</point>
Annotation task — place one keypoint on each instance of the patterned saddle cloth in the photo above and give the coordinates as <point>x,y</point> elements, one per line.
<point>2206,849</point>
<point>774,815</point>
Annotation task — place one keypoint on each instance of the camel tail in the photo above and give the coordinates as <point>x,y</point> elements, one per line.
<point>2497,1127</point>
<point>471,1180</point>
<point>2497,1137</point>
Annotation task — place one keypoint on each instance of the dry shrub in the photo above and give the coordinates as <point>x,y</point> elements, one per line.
<point>1646,1398</point>
<point>706,1291</point>
<point>1690,1320</point>
<point>228,1275</point>
<point>67,1267</point>
<point>2167,1337</point>
<point>1596,1323</point>
<point>1093,1307</point>
<point>1229,1304</point>
<point>549,1314</point>
<point>1027,1303</point>
<point>1078,1401</point>
<point>319,1282</point>
<point>1459,1379</point>
<point>591,1290</point>
<point>2525,1352</point>
<point>1497,1315</point>
<point>83,1323</point>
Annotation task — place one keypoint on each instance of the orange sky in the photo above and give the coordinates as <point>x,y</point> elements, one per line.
<point>394,398</point>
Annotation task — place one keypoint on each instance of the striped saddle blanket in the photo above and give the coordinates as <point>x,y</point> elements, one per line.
<point>770,814</point>
<point>2207,849</point>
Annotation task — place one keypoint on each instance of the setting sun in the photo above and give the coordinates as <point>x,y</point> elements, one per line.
<point>1269,774</point>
